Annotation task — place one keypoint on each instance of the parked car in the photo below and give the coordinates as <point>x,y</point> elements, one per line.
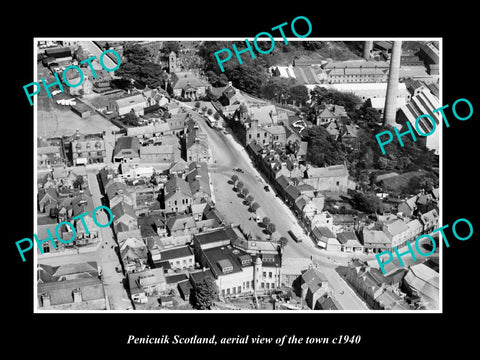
<point>238,170</point>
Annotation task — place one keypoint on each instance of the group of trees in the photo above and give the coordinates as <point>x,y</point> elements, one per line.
<point>366,202</point>
<point>139,68</point>
<point>250,76</point>
<point>205,294</point>
<point>269,226</point>
<point>285,90</point>
<point>322,150</point>
<point>321,95</point>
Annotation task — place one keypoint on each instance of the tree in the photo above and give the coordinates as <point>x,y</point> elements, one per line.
<point>216,80</point>
<point>209,111</point>
<point>254,207</point>
<point>298,94</point>
<point>204,109</point>
<point>320,95</point>
<point>271,228</point>
<point>234,178</point>
<point>197,105</point>
<point>138,67</point>
<point>366,203</point>
<point>249,199</point>
<point>283,241</point>
<point>78,182</point>
<point>169,46</point>
<point>417,183</point>
<point>169,88</point>
<point>206,292</point>
<point>239,186</point>
<point>245,192</point>
<point>266,221</point>
<point>322,149</point>
<point>216,116</point>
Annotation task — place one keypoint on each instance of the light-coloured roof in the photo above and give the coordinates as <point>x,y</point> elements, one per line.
<point>148,129</point>
<point>375,237</point>
<point>424,280</point>
<point>156,149</point>
<point>48,150</point>
<point>262,114</point>
<point>330,171</point>
<point>395,227</point>
<point>414,224</point>
<point>177,184</point>
<point>186,78</point>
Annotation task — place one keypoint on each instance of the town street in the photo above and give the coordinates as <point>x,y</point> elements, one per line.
<point>227,154</point>
<point>104,255</point>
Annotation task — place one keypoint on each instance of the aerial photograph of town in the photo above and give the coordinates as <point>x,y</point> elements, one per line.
<point>187,174</point>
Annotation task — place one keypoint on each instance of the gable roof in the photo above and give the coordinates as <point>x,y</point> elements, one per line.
<point>149,277</point>
<point>121,209</point>
<point>292,191</point>
<point>180,222</point>
<point>127,143</point>
<point>320,231</point>
<point>395,227</point>
<point>348,238</point>
<point>60,292</point>
<point>375,237</point>
<point>329,171</point>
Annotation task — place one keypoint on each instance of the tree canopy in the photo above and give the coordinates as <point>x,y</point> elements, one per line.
<point>365,202</point>
<point>321,95</point>
<point>322,149</point>
<point>139,68</point>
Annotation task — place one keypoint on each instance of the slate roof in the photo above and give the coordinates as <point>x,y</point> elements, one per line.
<point>176,253</point>
<point>180,222</point>
<point>375,237</point>
<point>114,189</point>
<point>348,238</point>
<point>323,231</point>
<point>123,208</point>
<point>61,291</point>
<point>127,143</point>
<point>330,171</point>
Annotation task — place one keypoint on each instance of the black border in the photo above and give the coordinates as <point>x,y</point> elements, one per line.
<point>383,334</point>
